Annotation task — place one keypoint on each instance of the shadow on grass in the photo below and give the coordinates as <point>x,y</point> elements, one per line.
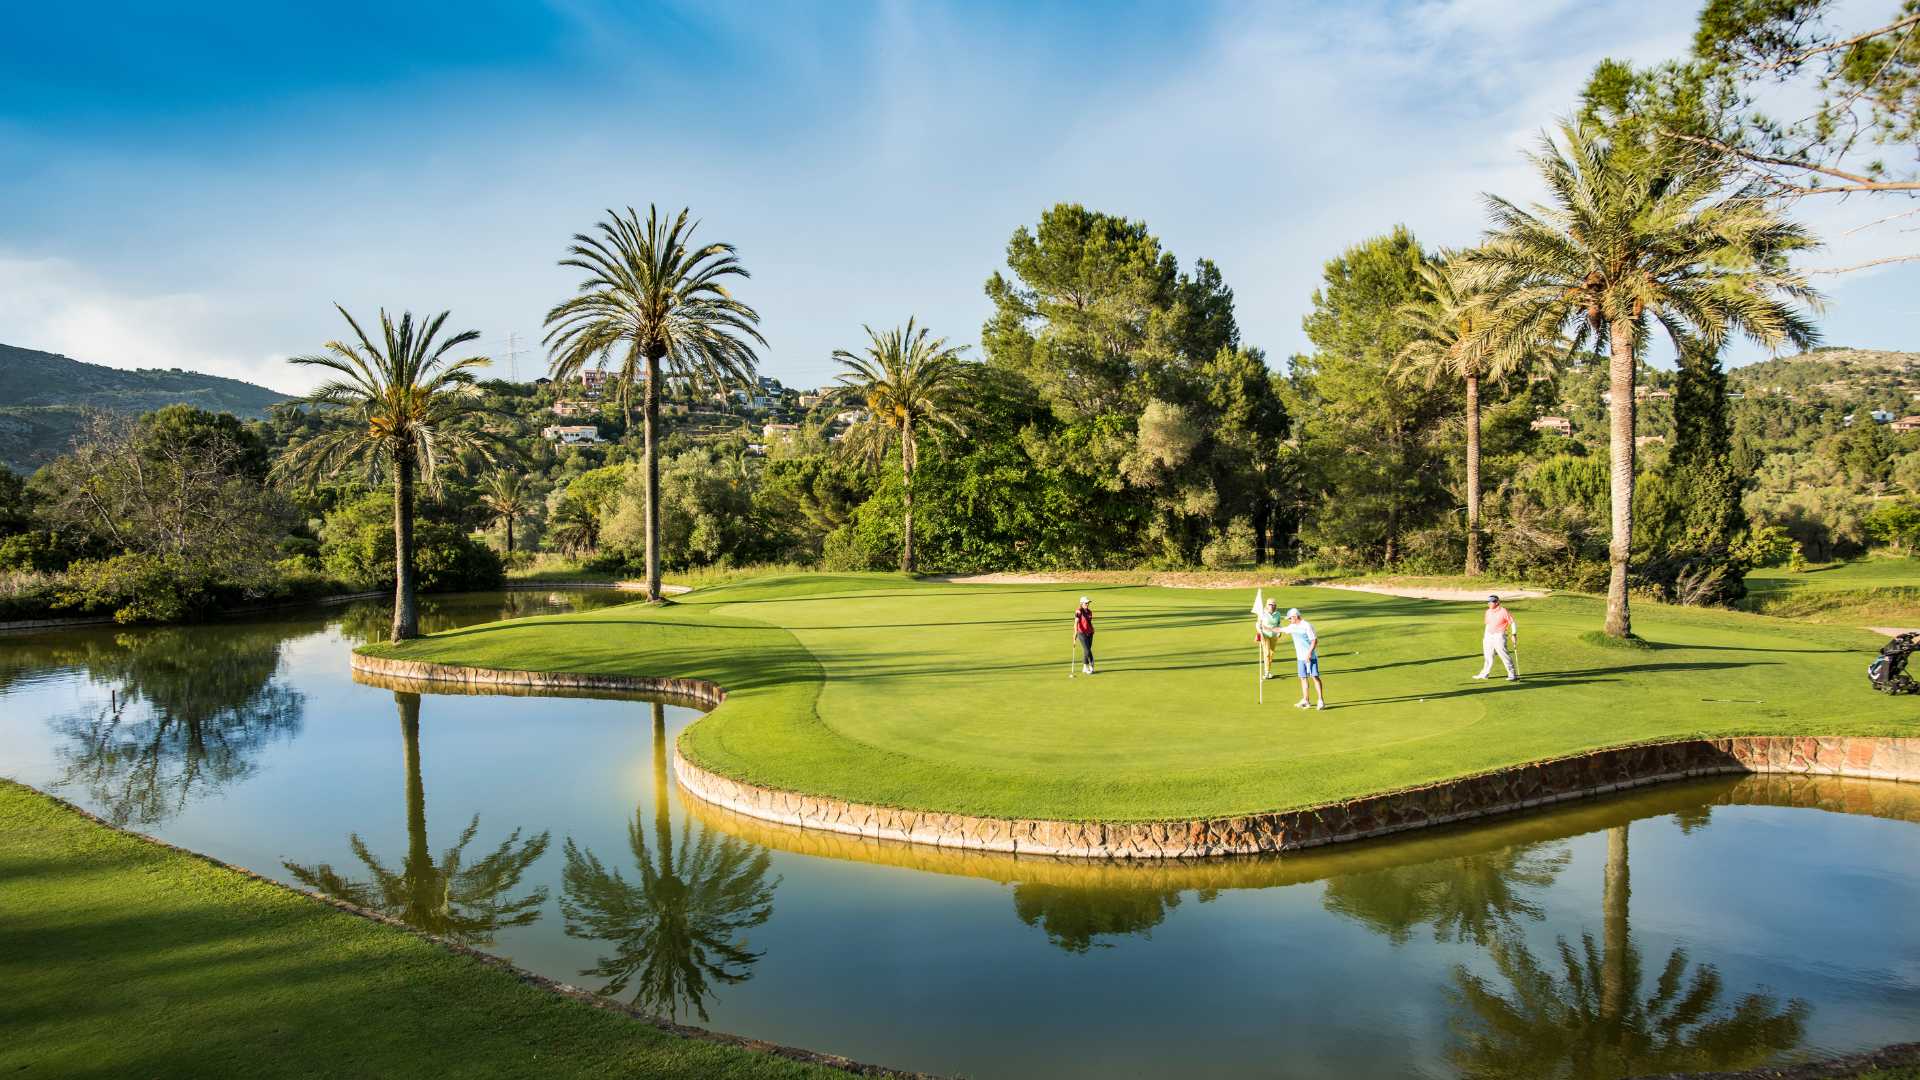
<point>1550,679</point>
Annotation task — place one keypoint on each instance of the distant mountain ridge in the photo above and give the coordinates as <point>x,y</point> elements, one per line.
<point>43,397</point>
<point>1832,368</point>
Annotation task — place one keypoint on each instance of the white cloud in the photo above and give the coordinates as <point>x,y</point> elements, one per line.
<point>55,306</point>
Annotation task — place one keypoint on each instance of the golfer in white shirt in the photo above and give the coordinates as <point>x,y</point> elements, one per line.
<point>1306,653</point>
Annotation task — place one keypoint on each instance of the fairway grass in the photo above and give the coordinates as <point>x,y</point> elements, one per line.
<point>122,957</point>
<point>1880,591</point>
<point>956,698</point>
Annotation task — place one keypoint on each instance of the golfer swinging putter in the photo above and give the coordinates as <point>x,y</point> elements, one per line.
<point>1494,642</point>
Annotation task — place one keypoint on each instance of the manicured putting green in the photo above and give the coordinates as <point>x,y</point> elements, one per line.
<point>956,698</point>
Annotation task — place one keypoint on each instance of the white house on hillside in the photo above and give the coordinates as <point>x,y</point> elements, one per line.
<point>572,434</point>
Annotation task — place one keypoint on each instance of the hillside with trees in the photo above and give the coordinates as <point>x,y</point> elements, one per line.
<point>44,398</point>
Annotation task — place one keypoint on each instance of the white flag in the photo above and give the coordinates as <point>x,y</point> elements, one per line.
<point>1256,602</point>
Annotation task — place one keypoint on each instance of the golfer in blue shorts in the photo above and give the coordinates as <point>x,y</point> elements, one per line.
<point>1306,654</point>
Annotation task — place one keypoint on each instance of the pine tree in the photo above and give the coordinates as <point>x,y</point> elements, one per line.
<point>1703,484</point>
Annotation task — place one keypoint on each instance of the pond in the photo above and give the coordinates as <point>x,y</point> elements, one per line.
<point>1710,924</point>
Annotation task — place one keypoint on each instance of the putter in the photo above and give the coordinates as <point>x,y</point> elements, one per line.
<point>1072,658</point>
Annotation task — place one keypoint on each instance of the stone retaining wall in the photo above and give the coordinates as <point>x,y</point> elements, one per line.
<point>699,690</point>
<point>1465,799</point>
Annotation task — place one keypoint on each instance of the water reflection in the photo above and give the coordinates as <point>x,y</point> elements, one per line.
<point>1469,898</point>
<point>187,716</point>
<point>1073,917</point>
<point>367,621</point>
<point>1596,1018</point>
<point>678,930</point>
<point>444,896</point>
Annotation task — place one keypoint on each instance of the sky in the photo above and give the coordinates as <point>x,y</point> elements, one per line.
<point>195,185</point>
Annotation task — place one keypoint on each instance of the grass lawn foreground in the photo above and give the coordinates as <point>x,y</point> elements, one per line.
<point>956,698</point>
<point>122,957</point>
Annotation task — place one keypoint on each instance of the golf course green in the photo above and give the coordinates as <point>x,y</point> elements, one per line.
<point>957,697</point>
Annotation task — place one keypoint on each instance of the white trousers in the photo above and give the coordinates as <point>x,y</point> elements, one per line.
<point>1494,644</point>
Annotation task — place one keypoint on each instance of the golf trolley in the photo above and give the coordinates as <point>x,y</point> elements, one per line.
<point>1889,670</point>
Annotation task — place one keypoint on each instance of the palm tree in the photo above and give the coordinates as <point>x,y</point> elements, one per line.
<point>1632,236</point>
<point>1450,324</point>
<point>405,417</point>
<point>507,498</point>
<point>907,382</point>
<point>677,925</point>
<point>443,896</point>
<point>652,296</point>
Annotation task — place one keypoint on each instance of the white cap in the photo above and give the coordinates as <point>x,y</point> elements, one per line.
<point>1084,600</point>
<point>1293,613</point>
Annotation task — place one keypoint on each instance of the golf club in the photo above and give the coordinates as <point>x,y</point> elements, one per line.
<point>1072,657</point>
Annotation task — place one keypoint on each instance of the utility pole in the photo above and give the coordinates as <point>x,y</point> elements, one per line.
<point>513,356</point>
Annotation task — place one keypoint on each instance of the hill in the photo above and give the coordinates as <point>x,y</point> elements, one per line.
<point>43,397</point>
<point>1864,376</point>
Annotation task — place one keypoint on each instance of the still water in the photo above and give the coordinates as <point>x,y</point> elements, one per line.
<point>1704,925</point>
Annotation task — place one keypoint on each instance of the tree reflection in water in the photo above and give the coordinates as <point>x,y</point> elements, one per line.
<point>1073,916</point>
<point>678,929</point>
<point>190,713</point>
<point>1591,1021</point>
<point>468,903</point>
<point>1467,899</point>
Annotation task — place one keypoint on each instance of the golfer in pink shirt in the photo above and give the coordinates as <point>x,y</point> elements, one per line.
<point>1494,642</point>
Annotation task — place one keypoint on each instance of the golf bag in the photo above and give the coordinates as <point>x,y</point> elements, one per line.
<point>1889,670</point>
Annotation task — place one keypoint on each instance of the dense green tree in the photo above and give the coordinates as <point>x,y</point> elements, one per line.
<point>1628,240</point>
<point>356,548</point>
<point>653,296</point>
<point>909,385</point>
<point>1703,485</point>
<point>1373,464</point>
<point>403,395</point>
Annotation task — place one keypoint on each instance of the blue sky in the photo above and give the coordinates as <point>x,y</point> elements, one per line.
<point>194,187</point>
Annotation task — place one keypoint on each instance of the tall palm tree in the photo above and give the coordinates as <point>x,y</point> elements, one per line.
<point>908,382</point>
<point>508,498</point>
<point>406,416</point>
<point>444,896</point>
<point>652,296</point>
<point>1632,237</point>
<point>1450,324</point>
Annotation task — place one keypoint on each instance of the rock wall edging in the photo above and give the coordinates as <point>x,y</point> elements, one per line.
<point>707,693</point>
<point>1467,798</point>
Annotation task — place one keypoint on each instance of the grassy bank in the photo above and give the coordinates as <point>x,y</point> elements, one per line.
<point>881,689</point>
<point>124,958</point>
<point>1881,591</point>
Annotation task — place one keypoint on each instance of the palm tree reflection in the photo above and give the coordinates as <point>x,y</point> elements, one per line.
<point>677,930</point>
<point>444,896</point>
<point>1590,1020</point>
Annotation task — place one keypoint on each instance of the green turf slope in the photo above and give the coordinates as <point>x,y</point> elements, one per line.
<point>121,958</point>
<point>934,696</point>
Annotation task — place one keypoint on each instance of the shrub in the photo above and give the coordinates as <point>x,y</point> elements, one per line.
<point>356,547</point>
<point>134,588</point>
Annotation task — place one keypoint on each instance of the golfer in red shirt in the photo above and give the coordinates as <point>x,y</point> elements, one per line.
<point>1083,634</point>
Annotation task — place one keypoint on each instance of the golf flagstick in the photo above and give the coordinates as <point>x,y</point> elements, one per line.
<point>1259,679</point>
